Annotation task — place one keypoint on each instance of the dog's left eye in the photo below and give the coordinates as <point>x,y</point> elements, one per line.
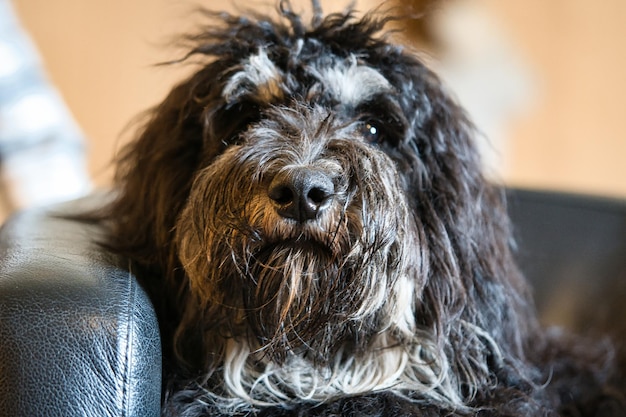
<point>381,121</point>
<point>370,131</point>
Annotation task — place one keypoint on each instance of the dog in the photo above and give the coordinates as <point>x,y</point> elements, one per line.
<point>308,214</point>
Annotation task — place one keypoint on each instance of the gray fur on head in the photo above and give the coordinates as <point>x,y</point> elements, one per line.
<point>308,212</point>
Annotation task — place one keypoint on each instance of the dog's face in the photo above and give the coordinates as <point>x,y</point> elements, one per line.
<point>301,222</point>
<point>312,192</point>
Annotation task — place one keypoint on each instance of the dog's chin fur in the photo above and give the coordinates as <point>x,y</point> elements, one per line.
<point>396,294</point>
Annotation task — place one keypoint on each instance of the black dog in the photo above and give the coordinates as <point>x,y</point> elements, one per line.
<point>309,215</point>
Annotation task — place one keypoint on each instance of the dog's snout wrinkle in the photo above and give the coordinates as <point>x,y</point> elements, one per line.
<point>301,194</point>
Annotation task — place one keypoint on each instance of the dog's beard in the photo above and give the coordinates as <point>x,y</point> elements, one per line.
<point>308,312</point>
<point>293,299</point>
<point>309,289</point>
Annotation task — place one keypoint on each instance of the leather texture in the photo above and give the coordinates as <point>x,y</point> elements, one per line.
<point>78,336</point>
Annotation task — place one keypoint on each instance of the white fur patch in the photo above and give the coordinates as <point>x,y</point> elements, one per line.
<point>259,76</point>
<point>252,382</point>
<point>353,83</point>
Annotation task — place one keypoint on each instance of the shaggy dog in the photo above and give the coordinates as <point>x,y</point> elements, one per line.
<point>308,214</point>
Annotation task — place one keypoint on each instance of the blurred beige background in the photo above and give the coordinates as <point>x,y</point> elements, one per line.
<point>563,61</point>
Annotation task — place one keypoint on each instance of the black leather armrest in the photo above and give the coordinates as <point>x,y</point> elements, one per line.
<point>78,336</point>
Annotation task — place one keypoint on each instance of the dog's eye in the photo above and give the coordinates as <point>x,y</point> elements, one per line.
<point>237,118</point>
<point>370,131</point>
<point>381,121</point>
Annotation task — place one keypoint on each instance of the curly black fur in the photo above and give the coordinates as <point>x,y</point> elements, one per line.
<point>408,198</point>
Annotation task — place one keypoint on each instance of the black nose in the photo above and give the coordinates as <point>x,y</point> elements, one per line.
<point>301,194</point>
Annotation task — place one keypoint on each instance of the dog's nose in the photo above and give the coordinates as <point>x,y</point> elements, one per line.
<point>301,194</point>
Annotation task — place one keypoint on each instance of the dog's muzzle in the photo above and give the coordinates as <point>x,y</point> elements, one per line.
<point>301,193</point>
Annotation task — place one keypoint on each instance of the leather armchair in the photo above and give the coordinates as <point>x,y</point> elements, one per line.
<point>78,335</point>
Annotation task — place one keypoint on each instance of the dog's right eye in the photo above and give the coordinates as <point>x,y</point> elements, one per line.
<point>237,118</point>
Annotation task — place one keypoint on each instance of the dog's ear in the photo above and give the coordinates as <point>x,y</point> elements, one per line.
<point>156,169</point>
<point>472,278</point>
